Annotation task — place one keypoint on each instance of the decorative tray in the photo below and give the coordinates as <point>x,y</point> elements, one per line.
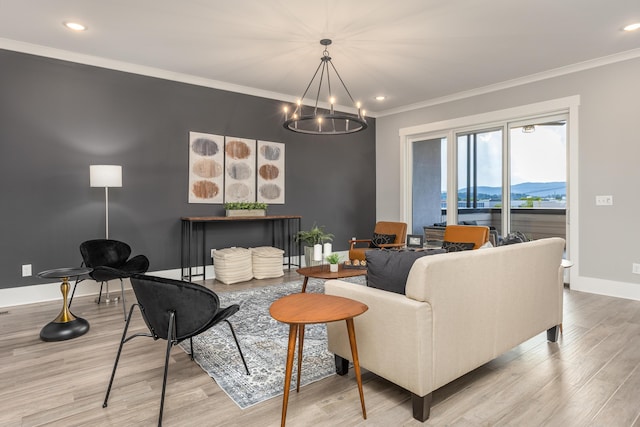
<point>349,266</point>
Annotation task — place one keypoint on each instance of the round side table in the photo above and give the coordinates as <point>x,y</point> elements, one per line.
<point>66,326</point>
<point>303,309</point>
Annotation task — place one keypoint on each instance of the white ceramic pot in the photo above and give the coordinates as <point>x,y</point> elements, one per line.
<point>333,268</point>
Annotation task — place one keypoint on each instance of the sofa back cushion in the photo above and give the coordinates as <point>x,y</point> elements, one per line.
<point>388,269</point>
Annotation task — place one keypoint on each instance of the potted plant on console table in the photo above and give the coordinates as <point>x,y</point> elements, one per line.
<point>245,209</point>
<point>315,236</point>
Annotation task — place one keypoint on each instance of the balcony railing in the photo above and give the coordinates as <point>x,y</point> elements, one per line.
<point>533,222</point>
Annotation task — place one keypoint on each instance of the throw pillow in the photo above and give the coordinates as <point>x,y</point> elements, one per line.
<point>388,269</point>
<point>515,237</point>
<point>457,246</point>
<point>381,239</point>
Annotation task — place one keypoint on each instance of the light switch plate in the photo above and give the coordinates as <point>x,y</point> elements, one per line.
<point>604,200</point>
<point>26,270</point>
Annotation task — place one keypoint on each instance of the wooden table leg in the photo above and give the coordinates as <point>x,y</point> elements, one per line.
<point>304,284</point>
<point>356,362</point>
<point>293,332</point>
<point>300,345</point>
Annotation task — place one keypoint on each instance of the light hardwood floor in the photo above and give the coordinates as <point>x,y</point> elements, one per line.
<point>590,377</point>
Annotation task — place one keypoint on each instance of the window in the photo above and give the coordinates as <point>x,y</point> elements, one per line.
<point>520,165</point>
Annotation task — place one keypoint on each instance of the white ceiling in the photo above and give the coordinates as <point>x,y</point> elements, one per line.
<point>411,51</point>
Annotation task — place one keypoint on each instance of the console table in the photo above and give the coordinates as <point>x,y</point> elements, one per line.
<point>284,226</point>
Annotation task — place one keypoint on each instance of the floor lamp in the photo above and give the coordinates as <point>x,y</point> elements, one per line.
<point>106,176</point>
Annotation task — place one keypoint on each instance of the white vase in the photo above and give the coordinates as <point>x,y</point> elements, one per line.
<point>333,268</point>
<point>308,257</point>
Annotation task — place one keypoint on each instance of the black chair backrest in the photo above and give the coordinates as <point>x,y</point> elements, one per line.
<point>104,252</point>
<point>194,305</point>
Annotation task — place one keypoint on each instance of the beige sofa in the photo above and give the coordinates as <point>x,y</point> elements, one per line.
<point>460,311</point>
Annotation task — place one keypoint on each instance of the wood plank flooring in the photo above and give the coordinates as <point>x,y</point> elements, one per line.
<point>591,377</point>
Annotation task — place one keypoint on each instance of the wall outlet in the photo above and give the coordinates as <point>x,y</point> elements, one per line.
<point>635,268</point>
<point>26,270</point>
<point>604,200</point>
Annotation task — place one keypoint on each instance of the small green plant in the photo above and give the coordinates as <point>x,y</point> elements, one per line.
<point>231,206</point>
<point>333,258</point>
<point>315,236</point>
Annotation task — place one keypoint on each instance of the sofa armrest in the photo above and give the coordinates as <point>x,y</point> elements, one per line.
<point>393,337</point>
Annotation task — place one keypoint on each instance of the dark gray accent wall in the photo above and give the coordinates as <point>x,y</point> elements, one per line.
<point>58,117</point>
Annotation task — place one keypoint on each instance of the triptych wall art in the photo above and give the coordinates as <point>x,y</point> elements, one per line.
<point>229,169</point>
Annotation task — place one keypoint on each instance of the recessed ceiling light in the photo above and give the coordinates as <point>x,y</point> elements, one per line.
<point>632,27</point>
<point>74,26</point>
<point>380,98</point>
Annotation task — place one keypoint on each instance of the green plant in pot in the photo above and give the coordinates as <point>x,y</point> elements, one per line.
<point>314,236</point>
<point>245,208</point>
<point>333,259</point>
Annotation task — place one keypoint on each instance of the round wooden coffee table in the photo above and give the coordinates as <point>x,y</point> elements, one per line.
<point>322,272</point>
<point>301,309</point>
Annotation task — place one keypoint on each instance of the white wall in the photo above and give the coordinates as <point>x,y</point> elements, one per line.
<point>609,148</point>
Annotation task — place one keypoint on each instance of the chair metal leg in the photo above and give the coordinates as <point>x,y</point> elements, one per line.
<point>73,292</point>
<point>100,294</point>
<point>238,344</point>
<point>191,346</point>
<point>124,305</point>
<point>78,280</point>
<point>115,365</point>
<point>171,333</point>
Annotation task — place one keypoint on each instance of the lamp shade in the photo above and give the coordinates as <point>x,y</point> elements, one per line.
<point>105,176</point>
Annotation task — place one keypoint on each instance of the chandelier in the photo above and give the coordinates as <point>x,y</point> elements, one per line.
<point>314,121</point>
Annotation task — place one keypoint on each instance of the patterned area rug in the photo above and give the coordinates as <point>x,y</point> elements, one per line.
<point>264,343</point>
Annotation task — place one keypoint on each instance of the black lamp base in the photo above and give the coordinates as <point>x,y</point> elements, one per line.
<point>60,331</point>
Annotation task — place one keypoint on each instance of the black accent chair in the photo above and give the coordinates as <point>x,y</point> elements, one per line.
<point>174,310</point>
<point>110,260</point>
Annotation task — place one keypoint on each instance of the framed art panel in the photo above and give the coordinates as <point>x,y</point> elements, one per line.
<point>206,168</point>
<point>240,164</point>
<point>270,168</point>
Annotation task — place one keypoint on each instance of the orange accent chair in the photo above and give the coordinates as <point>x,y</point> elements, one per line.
<point>476,234</point>
<point>382,227</point>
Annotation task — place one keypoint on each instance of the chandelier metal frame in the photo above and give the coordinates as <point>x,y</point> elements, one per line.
<point>320,121</point>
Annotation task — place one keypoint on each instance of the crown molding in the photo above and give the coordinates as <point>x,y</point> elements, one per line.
<point>557,72</point>
<point>127,67</point>
<point>111,64</point>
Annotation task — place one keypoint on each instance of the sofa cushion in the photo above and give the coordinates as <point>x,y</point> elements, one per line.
<point>379,239</point>
<point>388,269</point>
<point>457,246</point>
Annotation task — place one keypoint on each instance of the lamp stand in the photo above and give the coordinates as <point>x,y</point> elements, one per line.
<point>107,298</point>
<point>106,212</point>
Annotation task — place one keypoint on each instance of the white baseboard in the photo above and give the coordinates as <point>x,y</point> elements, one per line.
<point>605,287</point>
<point>31,294</point>
<point>51,291</point>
